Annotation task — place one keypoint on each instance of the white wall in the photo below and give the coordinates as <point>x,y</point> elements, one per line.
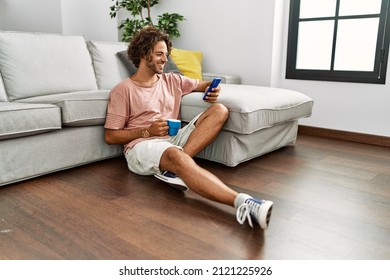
<point>77,17</point>
<point>234,36</point>
<point>31,15</point>
<point>90,18</point>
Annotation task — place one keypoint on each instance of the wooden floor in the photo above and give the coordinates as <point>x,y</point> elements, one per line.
<point>331,201</point>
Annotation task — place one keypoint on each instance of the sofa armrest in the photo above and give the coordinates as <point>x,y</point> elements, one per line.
<point>226,79</point>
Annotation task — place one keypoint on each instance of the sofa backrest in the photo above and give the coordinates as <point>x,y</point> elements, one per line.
<point>109,69</point>
<point>3,96</point>
<point>34,64</point>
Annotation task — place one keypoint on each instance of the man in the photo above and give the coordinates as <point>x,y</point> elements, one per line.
<point>137,115</point>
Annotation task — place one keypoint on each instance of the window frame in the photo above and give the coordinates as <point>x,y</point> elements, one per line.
<point>377,76</point>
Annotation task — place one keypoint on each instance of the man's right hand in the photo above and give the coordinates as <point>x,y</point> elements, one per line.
<point>158,128</point>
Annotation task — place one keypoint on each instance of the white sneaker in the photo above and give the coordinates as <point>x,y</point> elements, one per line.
<point>172,179</point>
<point>259,210</point>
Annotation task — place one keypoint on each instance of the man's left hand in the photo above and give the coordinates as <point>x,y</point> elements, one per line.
<point>212,96</point>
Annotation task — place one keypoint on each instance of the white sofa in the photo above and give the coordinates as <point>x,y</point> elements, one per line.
<point>53,97</point>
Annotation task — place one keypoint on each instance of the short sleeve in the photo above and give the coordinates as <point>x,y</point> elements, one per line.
<point>117,111</point>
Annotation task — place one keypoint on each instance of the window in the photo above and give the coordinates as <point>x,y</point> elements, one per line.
<point>338,40</point>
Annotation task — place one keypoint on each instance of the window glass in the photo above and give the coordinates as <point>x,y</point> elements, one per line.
<point>356,44</point>
<point>338,40</point>
<point>315,44</point>
<point>317,8</point>
<point>359,7</point>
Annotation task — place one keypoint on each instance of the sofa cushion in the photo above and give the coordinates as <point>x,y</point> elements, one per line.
<point>3,96</point>
<point>77,108</point>
<point>109,69</point>
<point>189,62</point>
<point>34,64</point>
<point>252,108</point>
<point>19,119</point>
<point>125,60</point>
<point>171,67</point>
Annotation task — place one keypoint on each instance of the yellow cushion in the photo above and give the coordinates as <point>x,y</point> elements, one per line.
<point>188,62</point>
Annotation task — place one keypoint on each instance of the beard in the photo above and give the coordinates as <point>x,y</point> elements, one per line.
<point>157,68</point>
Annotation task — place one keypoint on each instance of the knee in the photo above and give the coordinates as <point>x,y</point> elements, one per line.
<point>172,154</point>
<point>174,159</point>
<point>220,111</point>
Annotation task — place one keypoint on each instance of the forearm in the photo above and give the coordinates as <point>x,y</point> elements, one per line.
<point>122,136</point>
<point>202,86</point>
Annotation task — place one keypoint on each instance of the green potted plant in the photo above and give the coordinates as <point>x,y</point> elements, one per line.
<point>166,22</point>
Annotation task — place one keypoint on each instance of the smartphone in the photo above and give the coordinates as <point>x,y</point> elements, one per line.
<point>213,84</point>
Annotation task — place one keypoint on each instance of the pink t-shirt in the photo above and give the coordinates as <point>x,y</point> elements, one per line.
<point>132,106</point>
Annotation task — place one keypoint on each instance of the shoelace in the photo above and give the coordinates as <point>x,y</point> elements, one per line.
<point>245,210</point>
<point>243,213</point>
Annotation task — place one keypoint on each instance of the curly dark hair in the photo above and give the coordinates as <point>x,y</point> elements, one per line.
<point>142,44</point>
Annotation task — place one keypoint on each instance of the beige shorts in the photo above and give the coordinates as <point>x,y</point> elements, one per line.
<point>144,157</point>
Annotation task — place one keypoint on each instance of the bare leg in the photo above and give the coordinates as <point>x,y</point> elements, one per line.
<point>207,129</point>
<point>205,183</point>
<point>198,179</point>
<point>181,163</point>
<point>209,186</point>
